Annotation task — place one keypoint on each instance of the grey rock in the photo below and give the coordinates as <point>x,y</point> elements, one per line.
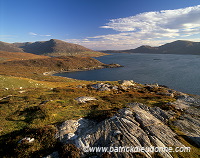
<point>66,128</point>
<point>115,88</point>
<point>137,126</point>
<point>126,82</point>
<point>102,87</point>
<point>21,92</point>
<point>155,111</point>
<point>189,124</point>
<point>124,88</point>
<point>97,86</point>
<point>179,104</point>
<point>8,96</point>
<point>69,129</point>
<point>166,94</point>
<point>84,99</point>
<point>79,86</point>
<point>189,100</point>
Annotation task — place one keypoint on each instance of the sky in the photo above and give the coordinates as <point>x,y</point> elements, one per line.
<point>100,24</point>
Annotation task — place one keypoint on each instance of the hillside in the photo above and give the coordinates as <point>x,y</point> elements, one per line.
<point>8,47</point>
<point>57,63</point>
<point>9,56</point>
<point>176,47</point>
<point>180,47</point>
<point>41,65</point>
<point>56,47</point>
<point>143,49</point>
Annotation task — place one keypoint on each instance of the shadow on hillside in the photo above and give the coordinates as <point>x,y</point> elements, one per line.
<point>100,115</point>
<point>44,143</point>
<point>29,114</point>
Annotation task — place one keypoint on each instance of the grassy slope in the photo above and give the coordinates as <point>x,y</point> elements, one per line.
<point>34,68</point>
<point>36,109</point>
<point>80,54</point>
<point>9,56</point>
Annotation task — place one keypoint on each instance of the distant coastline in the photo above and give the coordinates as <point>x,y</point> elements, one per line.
<point>176,47</point>
<point>83,69</point>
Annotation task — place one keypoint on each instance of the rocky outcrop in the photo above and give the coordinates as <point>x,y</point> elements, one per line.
<point>123,85</point>
<point>84,99</point>
<point>189,122</point>
<point>189,125</point>
<point>103,87</point>
<point>127,82</point>
<point>135,126</point>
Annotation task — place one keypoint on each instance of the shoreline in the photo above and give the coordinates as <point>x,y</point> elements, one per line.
<point>50,73</point>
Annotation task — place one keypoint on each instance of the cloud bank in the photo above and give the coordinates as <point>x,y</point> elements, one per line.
<point>153,28</point>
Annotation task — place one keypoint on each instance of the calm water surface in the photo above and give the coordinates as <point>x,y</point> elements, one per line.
<point>179,72</point>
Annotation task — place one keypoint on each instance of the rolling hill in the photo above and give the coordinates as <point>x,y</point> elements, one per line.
<point>56,63</point>
<point>8,47</point>
<point>56,47</point>
<point>27,64</point>
<point>176,47</point>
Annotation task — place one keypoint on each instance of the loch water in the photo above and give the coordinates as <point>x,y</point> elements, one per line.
<point>179,72</point>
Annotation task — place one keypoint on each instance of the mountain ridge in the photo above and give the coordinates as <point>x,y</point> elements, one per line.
<point>55,47</point>
<point>175,47</point>
<point>9,47</point>
<point>52,47</point>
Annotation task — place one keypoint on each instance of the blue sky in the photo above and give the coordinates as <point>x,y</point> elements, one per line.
<point>100,24</point>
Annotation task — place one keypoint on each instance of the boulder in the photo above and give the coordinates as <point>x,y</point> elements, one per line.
<point>103,87</point>
<point>126,82</point>
<point>84,99</point>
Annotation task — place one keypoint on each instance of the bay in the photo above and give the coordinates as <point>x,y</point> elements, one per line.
<point>179,72</point>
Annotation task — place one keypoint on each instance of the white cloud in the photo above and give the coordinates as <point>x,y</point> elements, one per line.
<point>45,35</point>
<point>149,28</point>
<point>35,34</point>
<point>32,34</point>
<point>151,21</point>
<point>166,23</point>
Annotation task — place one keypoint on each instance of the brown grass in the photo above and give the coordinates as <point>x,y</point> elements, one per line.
<point>10,56</point>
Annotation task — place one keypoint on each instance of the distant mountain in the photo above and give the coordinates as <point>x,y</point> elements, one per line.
<point>181,47</point>
<point>143,49</point>
<point>176,47</point>
<point>8,47</point>
<point>56,47</point>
